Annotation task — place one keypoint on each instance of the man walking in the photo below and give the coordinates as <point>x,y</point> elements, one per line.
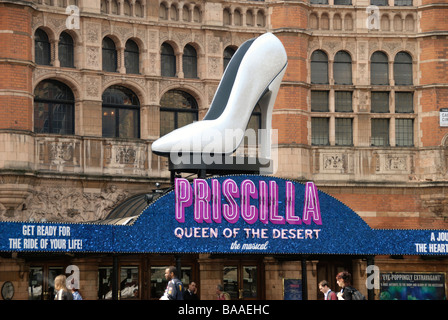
<point>325,289</point>
<point>174,289</point>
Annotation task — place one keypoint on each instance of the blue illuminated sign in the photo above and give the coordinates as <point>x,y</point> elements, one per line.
<point>231,214</point>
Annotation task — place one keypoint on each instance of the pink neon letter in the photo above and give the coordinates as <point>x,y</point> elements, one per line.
<point>183,195</point>
<point>290,204</point>
<point>273,205</point>
<point>201,201</point>
<point>248,212</point>
<point>311,205</point>
<point>263,202</point>
<point>216,201</point>
<point>230,211</point>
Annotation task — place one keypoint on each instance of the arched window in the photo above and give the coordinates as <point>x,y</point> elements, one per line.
<point>237,18</point>
<point>109,55</point>
<point>197,14</point>
<point>114,6</point>
<point>42,49</point>
<point>261,21</point>
<point>403,69</point>
<point>121,113</point>
<point>127,8</point>
<point>342,68</point>
<point>190,62</point>
<point>226,17</point>
<point>177,109</point>
<point>228,54</point>
<point>138,9</point>
<point>319,67</point>
<point>249,18</point>
<point>174,15</point>
<point>163,11</point>
<point>185,13</point>
<point>54,108</point>
<point>379,69</point>
<point>168,61</point>
<point>66,50</point>
<point>131,57</point>
<point>104,6</point>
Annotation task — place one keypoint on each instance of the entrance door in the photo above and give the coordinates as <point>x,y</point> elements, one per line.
<point>41,282</point>
<point>328,269</point>
<point>242,281</point>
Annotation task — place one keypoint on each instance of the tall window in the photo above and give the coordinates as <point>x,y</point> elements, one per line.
<point>109,55</point>
<point>319,101</point>
<point>404,132</point>
<point>379,2</point>
<point>66,50</point>
<point>380,102</point>
<point>403,69</point>
<point>320,134</point>
<point>228,54</point>
<point>319,67</point>
<point>343,101</point>
<point>54,108</point>
<point>168,61</point>
<point>344,131</point>
<point>342,68</point>
<point>132,57</point>
<point>403,3</point>
<point>404,102</point>
<point>177,109</point>
<point>379,69</point>
<point>42,49</point>
<point>190,62</point>
<point>121,113</point>
<point>380,132</point>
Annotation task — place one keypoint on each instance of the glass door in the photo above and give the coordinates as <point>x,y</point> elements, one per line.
<point>241,281</point>
<point>41,282</point>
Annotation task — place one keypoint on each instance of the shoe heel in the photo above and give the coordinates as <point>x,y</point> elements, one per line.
<point>266,104</point>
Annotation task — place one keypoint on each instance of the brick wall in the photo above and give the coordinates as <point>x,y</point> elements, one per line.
<point>15,68</point>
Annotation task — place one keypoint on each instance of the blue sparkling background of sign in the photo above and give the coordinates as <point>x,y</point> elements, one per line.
<point>342,232</point>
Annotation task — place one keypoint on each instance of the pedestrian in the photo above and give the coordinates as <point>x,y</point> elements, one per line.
<point>222,295</point>
<point>348,292</point>
<point>191,292</point>
<point>76,294</point>
<point>326,290</point>
<point>174,289</point>
<point>62,292</point>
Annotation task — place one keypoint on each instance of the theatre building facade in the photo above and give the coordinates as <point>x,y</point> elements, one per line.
<point>360,169</point>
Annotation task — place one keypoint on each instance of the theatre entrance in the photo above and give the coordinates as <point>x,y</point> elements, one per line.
<point>243,279</point>
<point>41,281</point>
<point>328,268</point>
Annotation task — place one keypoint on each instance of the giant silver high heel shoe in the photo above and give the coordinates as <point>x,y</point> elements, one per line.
<point>253,75</point>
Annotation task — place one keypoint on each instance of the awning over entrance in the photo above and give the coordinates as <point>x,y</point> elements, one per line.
<point>228,214</point>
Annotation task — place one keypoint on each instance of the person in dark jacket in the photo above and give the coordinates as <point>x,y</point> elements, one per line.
<point>175,288</point>
<point>344,280</point>
<point>191,292</point>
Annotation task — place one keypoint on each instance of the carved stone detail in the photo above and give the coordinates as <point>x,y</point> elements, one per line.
<point>395,163</point>
<point>71,204</point>
<point>332,162</point>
